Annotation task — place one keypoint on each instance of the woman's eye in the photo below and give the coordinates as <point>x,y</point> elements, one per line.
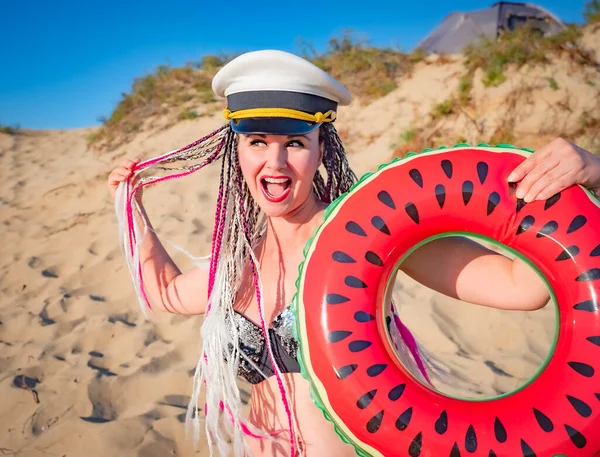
<point>296,144</point>
<point>257,143</point>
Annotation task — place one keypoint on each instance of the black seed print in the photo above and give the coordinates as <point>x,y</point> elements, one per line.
<point>568,253</point>
<point>547,229</point>
<point>590,306</point>
<point>577,223</point>
<point>482,171</point>
<point>342,257</point>
<point>577,438</point>
<point>404,419</point>
<point>582,408</point>
<point>353,227</point>
<point>467,191</point>
<point>594,340</point>
<point>520,204</point>
<point>396,392</point>
<point>415,175</point>
<point>551,201</point>
<point>440,195</point>
<point>595,252</point>
<point>335,299</point>
<point>499,431</point>
<point>375,370</point>
<point>492,453</point>
<point>338,335</point>
<point>386,199</point>
<point>543,421</point>
<point>597,396</point>
<point>455,452</point>
<point>447,167</point>
<point>346,371</point>
<point>373,258</point>
<point>493,201</point>
<point>366,399</point>
<point>374,422</point>
<point>380,225</point>
<point>582,368</point>
<point>525,224</point>
<point>414,450</point>
<point>471,440</point>
<point>590,275</point>
<point>412,212</point>
<point>353,281</point>
<point>360,345</point>
<point>526,450</point>
<point>441,424</point>
<point>361,316</point>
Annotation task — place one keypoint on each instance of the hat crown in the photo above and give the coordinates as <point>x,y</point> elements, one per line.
<point>273,70</point>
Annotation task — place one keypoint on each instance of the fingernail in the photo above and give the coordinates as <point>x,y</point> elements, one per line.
<point>512,177</point>
<point>528,198</point>
<point>520,193</point>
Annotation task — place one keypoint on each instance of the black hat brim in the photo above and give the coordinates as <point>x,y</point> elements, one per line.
<point>273,126</point>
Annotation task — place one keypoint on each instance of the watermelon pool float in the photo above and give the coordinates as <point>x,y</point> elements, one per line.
<point>374,403</point>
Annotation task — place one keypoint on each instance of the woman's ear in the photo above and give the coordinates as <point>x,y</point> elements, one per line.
<point>321,150</point>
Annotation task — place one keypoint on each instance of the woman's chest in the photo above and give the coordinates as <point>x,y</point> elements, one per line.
<point>278,280</point>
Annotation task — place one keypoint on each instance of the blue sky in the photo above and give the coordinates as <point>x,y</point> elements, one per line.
<point>65,63</point>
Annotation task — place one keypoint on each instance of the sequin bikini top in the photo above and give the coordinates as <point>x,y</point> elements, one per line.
<point>255,364</point>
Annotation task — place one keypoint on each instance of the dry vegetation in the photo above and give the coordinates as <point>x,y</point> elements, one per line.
<point>490,60</point>
<point>368,72</point>
<point>180,94</point>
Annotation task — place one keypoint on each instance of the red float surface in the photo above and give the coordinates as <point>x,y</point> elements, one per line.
<point>392,414</point>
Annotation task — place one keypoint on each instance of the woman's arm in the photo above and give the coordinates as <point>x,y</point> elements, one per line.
<point>165,286</point>
<point>464,269</point>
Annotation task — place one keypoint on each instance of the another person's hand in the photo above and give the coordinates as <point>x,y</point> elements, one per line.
<point>121,174</point>
<point>553,168</point>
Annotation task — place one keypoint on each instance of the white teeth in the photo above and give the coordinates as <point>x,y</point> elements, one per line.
<point>276,180</point>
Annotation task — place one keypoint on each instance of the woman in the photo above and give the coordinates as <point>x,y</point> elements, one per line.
<point>271,199</point>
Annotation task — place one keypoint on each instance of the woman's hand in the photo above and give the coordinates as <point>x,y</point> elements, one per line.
<point>121,174</point>
<point>553,168</point>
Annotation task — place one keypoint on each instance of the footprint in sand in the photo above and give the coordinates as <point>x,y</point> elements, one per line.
<point>103,405</point>
<point>50,272</point>
<point>122,318</point>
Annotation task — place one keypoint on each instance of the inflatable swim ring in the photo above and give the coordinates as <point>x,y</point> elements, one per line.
<point>373,401</point>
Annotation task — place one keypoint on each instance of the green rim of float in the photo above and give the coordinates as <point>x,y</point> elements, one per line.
<point>328,214</point>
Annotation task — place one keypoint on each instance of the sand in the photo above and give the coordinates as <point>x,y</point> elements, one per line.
<point>83,374</point>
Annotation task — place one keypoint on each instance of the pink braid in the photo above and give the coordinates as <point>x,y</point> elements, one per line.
<point>131,193</point>
<point>278,374</point>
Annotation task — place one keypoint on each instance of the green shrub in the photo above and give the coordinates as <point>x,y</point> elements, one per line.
<point>592,12</point>
<point>366,71</point>
<point>187,115</point>
<point>520,47</point>
<point>444,108</point>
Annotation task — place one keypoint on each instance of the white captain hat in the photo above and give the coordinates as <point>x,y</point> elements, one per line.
<point>275,92</point>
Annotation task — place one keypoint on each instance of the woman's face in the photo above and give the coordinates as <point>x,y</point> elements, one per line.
<point>279,170</point>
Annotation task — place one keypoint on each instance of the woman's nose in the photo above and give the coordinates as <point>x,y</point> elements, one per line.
<point>277,156</point>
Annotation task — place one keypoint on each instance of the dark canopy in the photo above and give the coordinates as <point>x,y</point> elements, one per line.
<point>459,29</point>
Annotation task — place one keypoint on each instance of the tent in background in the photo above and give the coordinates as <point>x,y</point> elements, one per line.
<point>459,29</point>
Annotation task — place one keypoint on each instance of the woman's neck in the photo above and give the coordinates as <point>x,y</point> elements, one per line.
<point>284,233</point>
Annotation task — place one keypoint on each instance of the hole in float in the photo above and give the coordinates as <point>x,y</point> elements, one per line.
<point>469,352</point>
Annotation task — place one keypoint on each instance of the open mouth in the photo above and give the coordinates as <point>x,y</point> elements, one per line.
<point>276,189</point>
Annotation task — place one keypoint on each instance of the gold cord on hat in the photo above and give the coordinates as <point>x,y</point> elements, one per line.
<point>319,117</point>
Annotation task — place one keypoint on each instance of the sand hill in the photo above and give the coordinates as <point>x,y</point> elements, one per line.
<point>83,374</point>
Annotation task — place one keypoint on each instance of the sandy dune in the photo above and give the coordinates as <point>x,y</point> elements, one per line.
<point>83,374</point>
